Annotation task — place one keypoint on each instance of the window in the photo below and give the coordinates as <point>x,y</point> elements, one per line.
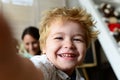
<point>19,2</point>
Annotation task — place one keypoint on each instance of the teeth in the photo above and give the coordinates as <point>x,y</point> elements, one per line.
<point>67,55</point>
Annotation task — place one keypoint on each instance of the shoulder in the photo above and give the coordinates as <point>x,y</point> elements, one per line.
<point>42,63</point>
<point>39,58</point>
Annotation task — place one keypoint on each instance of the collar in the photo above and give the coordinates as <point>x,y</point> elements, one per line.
<point>64,76</point>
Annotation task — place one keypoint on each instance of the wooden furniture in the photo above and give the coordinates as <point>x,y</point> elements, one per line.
<point>90,60</point>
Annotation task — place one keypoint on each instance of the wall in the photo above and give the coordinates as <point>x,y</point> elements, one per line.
<point>21,16</point>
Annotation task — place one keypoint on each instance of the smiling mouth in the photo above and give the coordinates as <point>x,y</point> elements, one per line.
<point>67,55</point>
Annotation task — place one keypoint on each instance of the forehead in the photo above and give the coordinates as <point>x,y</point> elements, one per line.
<point>66,27</point>
<point>28,38</point>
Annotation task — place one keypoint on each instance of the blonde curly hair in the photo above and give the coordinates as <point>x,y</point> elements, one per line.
<point>77,15</point>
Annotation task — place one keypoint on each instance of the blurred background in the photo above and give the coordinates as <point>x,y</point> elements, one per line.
<point>105,50</point>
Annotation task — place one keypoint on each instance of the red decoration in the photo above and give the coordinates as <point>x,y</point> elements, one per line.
<point>112,26</point>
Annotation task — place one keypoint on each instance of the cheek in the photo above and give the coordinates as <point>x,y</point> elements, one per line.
<point>82,50</point>
<point>26,47</point>
<point>51,48</point>
<point>82,53</point>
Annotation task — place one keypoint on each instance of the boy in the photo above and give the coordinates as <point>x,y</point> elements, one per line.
<point>65,37</point>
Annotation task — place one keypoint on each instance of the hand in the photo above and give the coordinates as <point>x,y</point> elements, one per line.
<point>12,66</point>
<point>7,46</point>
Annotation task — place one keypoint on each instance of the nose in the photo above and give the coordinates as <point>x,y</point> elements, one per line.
<point>31,47</point>
<point>69,44</point>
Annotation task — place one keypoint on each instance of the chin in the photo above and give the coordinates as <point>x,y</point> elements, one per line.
<point>67,67</point>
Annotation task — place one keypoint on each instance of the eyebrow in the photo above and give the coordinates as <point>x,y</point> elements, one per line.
<point>73,35</point>
<point>58,33</point>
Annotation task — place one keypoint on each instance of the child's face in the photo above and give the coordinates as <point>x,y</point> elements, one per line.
<point>65,46</point>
